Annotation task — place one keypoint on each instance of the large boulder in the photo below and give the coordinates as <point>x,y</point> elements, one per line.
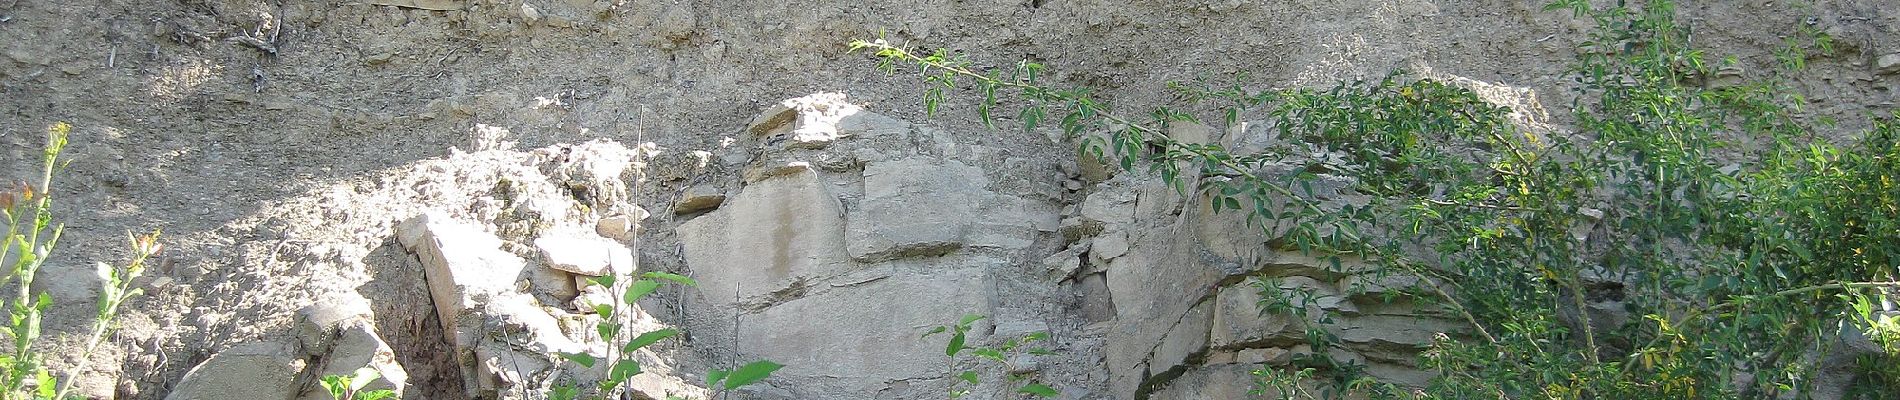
<point>774,234</point>
<point>266,370</point>
<point>463,263</point>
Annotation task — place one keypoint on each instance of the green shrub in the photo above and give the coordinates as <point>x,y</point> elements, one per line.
<point>30,237</point>
<point>1744,245</point>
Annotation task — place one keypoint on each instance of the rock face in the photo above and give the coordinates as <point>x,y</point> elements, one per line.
<point>775,235</point>
<point>839,257</point>
<point>914,208</point>
<point>509,285</point>
<point>830,240</point>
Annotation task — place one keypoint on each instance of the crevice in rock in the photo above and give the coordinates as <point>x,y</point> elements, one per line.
<point>405,315</point>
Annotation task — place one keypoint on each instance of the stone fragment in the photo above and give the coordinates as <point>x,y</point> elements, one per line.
<point>1065,263</point>
<point>1185,339</point>
<point>585,254</point>
<point>552,282</point>
<point>1887,64</point>
<point>461,262</point>
<point>618,227</point>
<point>1268,356</point>
<point>1218,381</point>
<point>1727,77</point>
<point>317,324</point>
<point>914,208</point>
<point>256,370</point>
<point>1192,133</point>
<point>513,312</point>
<point>1110,245</point>
<point>358,346</point>
<point>437,5</point>
<point>879,349</point>
<point>805,122</point>
<point>699,198</point>
<point>869,125</point>
<point>1393,331</point>
<point>1147,305</point>
<point>1239,320</point>
<point>1009,222</point>
<point>1110,207</point>
<point>1097,304</point>
<point>530,14</point>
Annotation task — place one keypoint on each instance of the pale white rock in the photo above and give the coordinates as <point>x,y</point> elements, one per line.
<point>462,264</point>
<point>1186,338</point>
<point>914,207</point>
<point>768,236</point>
<point>1110,245</point>
<point>530,14</point>
<point>884,318</point>
<point>317,324</point>
<point>1192,133</point>
<point>805,122</point>
<point>514,312</point>
<point>585,254</point>
<point>256,370</point>
<point>1239,319</point>
<point>1887,64</point>
<point>1218,381</point>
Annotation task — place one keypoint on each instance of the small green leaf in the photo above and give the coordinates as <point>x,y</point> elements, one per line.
<point>648,338</point>
<point>1039,390</point>
<point>968,319</point>
<point>968,376</point>
<point>989,353</point>
<point>336,385</point>
<point>639,289</point>
<point>939,329</point>
<point>47,384</point>
<point>715,375</point>
<point>564,392</point>
<point>750,373</point>
<point>624,369</point>
<point>603,281</point>
<point>607,330</point>
<point>676,278</point>
<point>955,345</point>
<point>584,359</point>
